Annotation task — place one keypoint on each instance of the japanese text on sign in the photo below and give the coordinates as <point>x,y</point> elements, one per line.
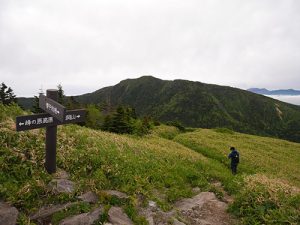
<point>42,120</point>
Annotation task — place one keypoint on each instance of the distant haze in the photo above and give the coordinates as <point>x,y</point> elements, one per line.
<point>87,45</point>
<point>287,98</point>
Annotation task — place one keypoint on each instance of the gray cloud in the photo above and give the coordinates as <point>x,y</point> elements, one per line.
<point>91,44</point>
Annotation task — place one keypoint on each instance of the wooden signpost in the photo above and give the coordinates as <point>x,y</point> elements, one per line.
<point>56,114</point>
<point>52,107</point>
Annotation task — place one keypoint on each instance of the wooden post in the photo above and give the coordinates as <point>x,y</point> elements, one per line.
<point>56,114</point>
<point>51,134</point>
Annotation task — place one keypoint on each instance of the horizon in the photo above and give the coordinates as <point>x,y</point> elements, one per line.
<point>292,99</point>
<point>43,90</point>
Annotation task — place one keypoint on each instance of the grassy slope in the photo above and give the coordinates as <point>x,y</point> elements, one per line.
<point>277,158</point>
<point>270,171</point>
<point>163,166</point>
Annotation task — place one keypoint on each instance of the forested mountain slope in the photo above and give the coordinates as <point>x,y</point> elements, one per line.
<point>197,104</point>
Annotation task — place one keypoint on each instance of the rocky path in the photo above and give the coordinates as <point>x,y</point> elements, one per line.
<point>205,209</point>
<point>202,209</point>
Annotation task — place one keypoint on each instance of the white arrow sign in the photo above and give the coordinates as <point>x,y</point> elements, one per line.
<point>52,107</point>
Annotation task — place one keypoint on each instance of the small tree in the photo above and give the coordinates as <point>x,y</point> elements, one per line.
<point>177,124</point>
<point>107,123</point>
<point>142,127</point>
<point>36,105</point>
<point>7,95</point>
<point>61,95</point>
<point>121,121</point>
<point>71,103</point>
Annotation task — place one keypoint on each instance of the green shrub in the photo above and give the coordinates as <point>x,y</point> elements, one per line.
<point>176,124</point>
<point>224,130</point>
<point>10,111</point>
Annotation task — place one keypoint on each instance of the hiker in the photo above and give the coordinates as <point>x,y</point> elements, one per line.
<point>235,159</point>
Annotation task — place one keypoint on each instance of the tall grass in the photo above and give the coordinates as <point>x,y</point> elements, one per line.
<point>274,157</point>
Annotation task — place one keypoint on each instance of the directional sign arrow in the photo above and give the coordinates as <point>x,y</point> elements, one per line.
<point>44,120</point>
<point>52,107</point>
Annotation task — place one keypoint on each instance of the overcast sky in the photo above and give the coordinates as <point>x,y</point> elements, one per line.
<point>87,45</point>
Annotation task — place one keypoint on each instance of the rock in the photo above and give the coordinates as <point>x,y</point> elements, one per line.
<point>117,194</point>
<point>150,220</point>
<point>204,208</point>
<point>116,216</point>
<point>8,214</point>
<point>161,217</point>
<point>84,218</point>
<point>226,197</point>
<point>154,215</point>
<point>153,207</point>
<point>148,214</point>
<point>152,204</point>
<point>47,211</point>
<point>177,222</point>
<point>61,174</point>
<point>196,190</point>
<point>89,197</point>
<point>61,186</point>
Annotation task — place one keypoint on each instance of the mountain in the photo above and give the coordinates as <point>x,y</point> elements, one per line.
<point>264,91</point>
<point>26,103</point>
<point>196,104</point>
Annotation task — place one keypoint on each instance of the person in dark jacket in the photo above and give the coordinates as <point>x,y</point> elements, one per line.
<point>235,159</point>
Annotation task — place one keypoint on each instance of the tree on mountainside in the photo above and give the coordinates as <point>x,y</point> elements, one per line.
<point>142,126</point>
<point>71,103</point>
<point>36,106</point>
<point>7,95</point>
<point>107,123</point>
<point>292,132</point>
<point>121,120</point>
<point>177,124</point>
<point>61,95</point>
<point>124,121</point>
<point>94,118</point>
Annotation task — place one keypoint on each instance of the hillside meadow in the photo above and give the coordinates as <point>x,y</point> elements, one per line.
<point>163,166</point>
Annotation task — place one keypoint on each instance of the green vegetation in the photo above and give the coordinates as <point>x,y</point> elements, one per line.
<point>267,201</point>
<point>82,207</point>
<point>258,154</point>
<point>196,104</point>
<point>162,166</point>
<point>121,120</point>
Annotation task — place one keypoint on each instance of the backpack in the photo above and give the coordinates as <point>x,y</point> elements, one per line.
<point>236,157</point>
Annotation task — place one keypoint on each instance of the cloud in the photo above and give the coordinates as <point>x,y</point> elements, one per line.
<point>91,44</point>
